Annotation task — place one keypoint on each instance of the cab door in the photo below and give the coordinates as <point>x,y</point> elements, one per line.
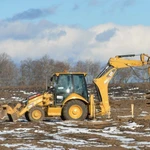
<point>79,85</point>
<point>63,87</point>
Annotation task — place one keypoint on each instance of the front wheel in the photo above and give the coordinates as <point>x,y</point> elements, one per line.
<point>75,110</point>
<point>35,114</point>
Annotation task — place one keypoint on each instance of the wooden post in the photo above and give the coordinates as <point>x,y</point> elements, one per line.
<point>132,110</point>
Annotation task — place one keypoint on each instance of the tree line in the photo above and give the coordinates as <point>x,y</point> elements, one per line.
<point>37,72</point>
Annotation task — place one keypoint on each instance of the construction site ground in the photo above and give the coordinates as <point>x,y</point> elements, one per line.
<point>118,132</point>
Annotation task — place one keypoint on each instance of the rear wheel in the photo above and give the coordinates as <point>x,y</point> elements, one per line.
<point>75,110</point>
<point>35,114</point>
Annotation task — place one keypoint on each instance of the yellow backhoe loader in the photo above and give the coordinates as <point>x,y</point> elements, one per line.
<point>68,97</point>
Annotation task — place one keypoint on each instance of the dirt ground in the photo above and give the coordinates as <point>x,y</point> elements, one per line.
<point>118,132</point>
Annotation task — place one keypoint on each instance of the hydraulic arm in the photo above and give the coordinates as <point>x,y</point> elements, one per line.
<point>107,74</point>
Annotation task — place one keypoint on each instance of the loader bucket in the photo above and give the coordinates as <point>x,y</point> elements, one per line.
<point>3,114</point>
<point>12,113</point>
<point>12,117</point>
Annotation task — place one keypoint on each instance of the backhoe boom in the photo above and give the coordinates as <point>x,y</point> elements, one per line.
<point>107,74</point>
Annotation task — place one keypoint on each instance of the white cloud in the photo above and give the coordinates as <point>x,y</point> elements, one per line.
<point>126,40</point>
<point>68,43</point>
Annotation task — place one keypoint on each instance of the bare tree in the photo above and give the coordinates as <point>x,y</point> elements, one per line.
<point>47,68</point>
<point>91,68</point>
<point>80,66</point>
<point>122,76</point>
<point>8,71</point>
<point>60,66</point>
<point>26,72</point>
<point>38,72</point>
<point>132,74</point>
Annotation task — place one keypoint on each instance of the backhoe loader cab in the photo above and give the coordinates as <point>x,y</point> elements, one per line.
<point>64,84</point>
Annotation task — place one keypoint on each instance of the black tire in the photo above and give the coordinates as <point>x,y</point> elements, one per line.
<point>62,117</point>
<point>74,110</point>
<point>27,116</point>
<point>36,114</point>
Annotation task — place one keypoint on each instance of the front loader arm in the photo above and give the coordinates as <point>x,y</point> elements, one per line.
<point>16,112</point>
<point>39,100</point>
<point>107,74</point>
<point>31,103</point>
<point>21,108</point>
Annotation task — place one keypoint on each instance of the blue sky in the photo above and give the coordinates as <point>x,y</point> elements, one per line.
<point>78,29</point>
<point>85,13</point>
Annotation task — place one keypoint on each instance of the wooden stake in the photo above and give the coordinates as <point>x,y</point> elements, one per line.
<point>132,110</point>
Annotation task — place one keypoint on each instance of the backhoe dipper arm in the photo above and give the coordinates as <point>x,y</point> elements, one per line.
<point>103,79</point>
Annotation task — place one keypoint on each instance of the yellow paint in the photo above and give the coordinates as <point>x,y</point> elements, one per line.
<point>54,111</point>
<point>75,111</point>
<point>75,96</point>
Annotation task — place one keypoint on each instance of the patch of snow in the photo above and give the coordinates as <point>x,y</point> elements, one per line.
<point>112,130</point>
<point>68,123</point>
<point>24,129</point>
<point>118,87</point>
<point>50,123</point>
<point>93,139</point>
<point>2,99</point>
<point>144,134</point>
<point>70,127</point>
<point>127,116</point>
<point>123,139</point>
<point>39,131</point>
<point>119,97</point>
<point>130,147</point>
<point>13,97</point>
<point>143,113</point>
<point>135,88</point>
<point>2,139</point>
<point>22,146</point>
<point>28,93</point>
<point>15,131</point>
<point>11,145</point>
<point>147,129</point>
<point>64,140</point>
<point>143,143</point>
<point>131,125</point>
